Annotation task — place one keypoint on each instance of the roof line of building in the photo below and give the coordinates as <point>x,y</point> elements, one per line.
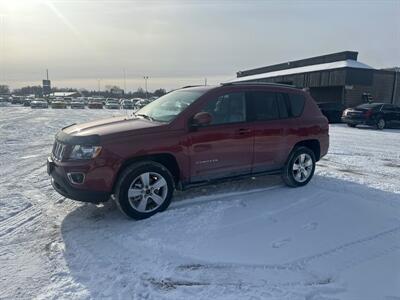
<point>321,59</point>
<point>306,69</point>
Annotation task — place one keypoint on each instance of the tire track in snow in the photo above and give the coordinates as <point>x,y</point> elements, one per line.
<point>18,220</point>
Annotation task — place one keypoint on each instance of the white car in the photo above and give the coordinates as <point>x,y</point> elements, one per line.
<point>39,103</point>
<point>112,103</point>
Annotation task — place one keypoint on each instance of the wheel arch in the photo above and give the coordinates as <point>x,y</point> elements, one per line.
<point>165,159</point>
<point>313,144</point>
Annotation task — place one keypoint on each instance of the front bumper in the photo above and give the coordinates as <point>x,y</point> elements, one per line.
<point>358,121</point>
<point>60,183</point>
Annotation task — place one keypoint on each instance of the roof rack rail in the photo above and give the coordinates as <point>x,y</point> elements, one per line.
<point>190,86</point>
<point>258,83</point>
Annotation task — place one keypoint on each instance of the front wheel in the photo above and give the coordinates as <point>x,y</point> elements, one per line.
<point>351,125</point>
<point>380,124</point>
<point>144,189</point>
<point>300,167</point>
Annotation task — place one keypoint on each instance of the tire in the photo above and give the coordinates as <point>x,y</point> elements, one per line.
<point>136,192</point>
<point>304,158</point>
<point>380,123</point>
<point>351,125</point>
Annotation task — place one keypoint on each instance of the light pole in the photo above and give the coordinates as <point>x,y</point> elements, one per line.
<point>124,71</point>
<point>145,84</point>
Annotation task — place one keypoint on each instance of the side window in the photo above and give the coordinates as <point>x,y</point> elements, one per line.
<point>264,106</point>
<point>282,105</point>
<point>228,108</point>
<point>388,107</point>
<point>296,104</point>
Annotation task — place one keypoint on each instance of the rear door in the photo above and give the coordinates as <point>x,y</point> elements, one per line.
<point>225,147</point>
<point>390,114</point>
<point>268,111</point>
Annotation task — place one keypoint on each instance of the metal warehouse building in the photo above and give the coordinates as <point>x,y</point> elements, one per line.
<point>336,77</point>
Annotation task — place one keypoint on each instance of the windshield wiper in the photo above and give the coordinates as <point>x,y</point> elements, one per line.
<point>145,116</point>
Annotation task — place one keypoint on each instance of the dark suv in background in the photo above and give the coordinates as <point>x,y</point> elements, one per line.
<point>380,115</point>
<point>188,137</point>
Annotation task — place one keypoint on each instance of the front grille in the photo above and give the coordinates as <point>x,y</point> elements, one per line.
<point>58,150</point>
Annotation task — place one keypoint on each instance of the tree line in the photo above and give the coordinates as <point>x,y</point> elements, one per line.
<point>38,91</point>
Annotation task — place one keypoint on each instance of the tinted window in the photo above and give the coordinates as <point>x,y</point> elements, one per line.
<point>282,105</point>
<point>228,108</point>
<point>388,107</point>
<point>296,104</point>
<point>264,106</point>
<point>369,106</point>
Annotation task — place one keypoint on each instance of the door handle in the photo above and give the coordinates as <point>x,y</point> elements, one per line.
<point>243,131</point>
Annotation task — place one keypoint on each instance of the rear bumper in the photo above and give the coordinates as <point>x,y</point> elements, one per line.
<point>61,184</point>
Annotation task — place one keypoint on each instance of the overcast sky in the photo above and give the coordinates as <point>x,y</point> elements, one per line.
<point>177,43</point>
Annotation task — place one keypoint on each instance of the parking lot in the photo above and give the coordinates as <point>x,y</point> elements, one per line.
<point>338,237</point>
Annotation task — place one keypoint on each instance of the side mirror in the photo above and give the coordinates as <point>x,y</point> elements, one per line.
<point>201,119</point>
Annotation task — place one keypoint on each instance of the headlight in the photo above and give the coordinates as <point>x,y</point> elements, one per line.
<point>84,152</point>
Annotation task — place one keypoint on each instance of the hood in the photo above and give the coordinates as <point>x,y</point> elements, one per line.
<point>106,127</point>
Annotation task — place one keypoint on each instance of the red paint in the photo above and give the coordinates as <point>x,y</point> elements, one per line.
<point>202,153</point>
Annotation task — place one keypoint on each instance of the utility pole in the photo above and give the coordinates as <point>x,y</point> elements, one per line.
<point>2,48</point>
<point>124,71</point>
<point>98,86</point>
<point>145,84</point>
<point>205,81</point>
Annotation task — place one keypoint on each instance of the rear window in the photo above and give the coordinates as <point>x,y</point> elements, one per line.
<point>296,104</point>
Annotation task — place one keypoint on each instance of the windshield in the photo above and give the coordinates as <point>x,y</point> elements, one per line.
<point>167,107</point>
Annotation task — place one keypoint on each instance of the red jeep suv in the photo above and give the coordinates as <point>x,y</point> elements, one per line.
<point>191,136</point>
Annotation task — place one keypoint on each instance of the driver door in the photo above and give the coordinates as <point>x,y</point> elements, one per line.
<point>224,148</point>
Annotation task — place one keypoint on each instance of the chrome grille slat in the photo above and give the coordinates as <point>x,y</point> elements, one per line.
<point>58,150</point>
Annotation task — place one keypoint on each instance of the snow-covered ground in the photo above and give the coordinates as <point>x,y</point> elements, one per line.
<point>336,238</point>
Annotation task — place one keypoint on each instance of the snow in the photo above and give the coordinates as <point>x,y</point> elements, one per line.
<point>336,238</point>
<point>349,63</point>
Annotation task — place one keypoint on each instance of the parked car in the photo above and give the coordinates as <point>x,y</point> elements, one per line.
<point>77,103</point>
<point>332,111</point>
<point>3,99</point>
<point>27,101</point>
<point>39,103</point>
<point>58,104</point>
<point>379,115</point>
<point>17,100</point>
<point>127,104</point>
<point>68,100</point>
<point>95,103</point>
<point>112,103</point>
<point>141,103</point>
<point>189,137</point>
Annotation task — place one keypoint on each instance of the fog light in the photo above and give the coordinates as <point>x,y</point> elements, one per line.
<point>76,177</point>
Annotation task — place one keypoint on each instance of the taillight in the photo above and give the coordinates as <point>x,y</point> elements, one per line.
<point>368,113</point>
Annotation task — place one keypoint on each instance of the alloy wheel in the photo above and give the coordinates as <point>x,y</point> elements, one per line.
<point>147,192</point>
<point>302,167</point>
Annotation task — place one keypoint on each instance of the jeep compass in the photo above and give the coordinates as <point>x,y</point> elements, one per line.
<point>188,137</point>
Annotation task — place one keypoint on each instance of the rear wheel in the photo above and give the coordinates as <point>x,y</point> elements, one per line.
<point>299,168</point>
<point>351,125</point>
<point>144,189</point>
<point>380,124</point>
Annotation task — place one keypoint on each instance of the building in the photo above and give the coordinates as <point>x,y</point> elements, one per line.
<point>65,94</point>
<point>336,77</point>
